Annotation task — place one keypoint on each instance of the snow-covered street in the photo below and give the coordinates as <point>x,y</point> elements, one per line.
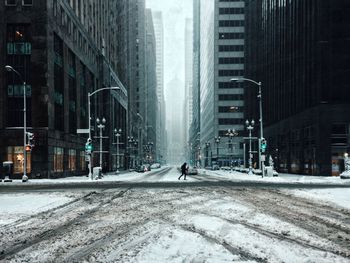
<point>179,224</point>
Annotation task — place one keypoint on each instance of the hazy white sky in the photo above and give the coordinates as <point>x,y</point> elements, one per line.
<point>174,14</point>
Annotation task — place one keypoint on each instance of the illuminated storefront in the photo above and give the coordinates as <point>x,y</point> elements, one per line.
<point>15,155</point>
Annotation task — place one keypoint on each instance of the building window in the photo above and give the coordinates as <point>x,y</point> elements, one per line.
<point>230,85</point>
<point>58,159</point>
<point>27,2</point>
<point>231,35</point>
<point>230,121</point>
<point>230,48</point>
<point>82,161</point>
<point>15,155</point>
<point>231,11</point>
<point>10,2</point>
<point>72,159</point>
<point>231,97</point>
<point>225,73</point>
<point>231,23</point>
<point>231,60</point>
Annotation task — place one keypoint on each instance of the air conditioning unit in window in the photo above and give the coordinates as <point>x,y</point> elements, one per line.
<point>27,2</point>
<point>10,2</point>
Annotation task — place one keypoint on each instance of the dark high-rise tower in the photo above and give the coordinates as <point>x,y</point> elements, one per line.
<point>299,51</point>
<point>63,50</point>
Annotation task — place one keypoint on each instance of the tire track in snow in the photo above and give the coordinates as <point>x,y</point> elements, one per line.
<point>297,212</point>
<point>45,235</point>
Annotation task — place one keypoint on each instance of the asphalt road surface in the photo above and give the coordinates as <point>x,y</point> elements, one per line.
<point>207,220</point>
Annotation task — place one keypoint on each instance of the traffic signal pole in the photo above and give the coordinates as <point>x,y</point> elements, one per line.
<point>89,139</point>
<point>262,163</point>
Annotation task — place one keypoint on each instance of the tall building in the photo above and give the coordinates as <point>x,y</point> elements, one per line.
<point>159,35</point>
<point>303,64</point>
<point>221,102</point>
<point>62,50</point>
<point>194,134</point>
<point>188,113</point>
<point>150,145</point>
<point>136,77</point>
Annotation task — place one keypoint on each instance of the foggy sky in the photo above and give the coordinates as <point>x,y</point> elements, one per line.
<point>174,14</point>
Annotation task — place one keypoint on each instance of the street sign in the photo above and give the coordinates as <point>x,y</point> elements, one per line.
<point>247,138</point>
<point>82,130</point>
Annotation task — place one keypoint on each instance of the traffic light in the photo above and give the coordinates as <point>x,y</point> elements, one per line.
<point>263,145</point>
<point>88,146</point>
<point>31,139</point>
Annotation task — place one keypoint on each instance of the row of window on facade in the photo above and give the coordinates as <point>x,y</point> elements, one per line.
<point>71,29</point>
<point>73,162</point>
<point>18,2</point>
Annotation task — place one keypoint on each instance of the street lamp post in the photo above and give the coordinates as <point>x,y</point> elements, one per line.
<point>140,139</point>
<point>217,141</point>
<point>199,164</point>
<point>231,133</point>
<point>101,125</point>
<point>89,122</point>
<point>250,127</point>
<point>150,150</point>
<point>131,141</point>
<point>136,152</point>
<point>261,163</point>
<point>207,145</point>
<point>117,134</point>
<point>24,177</point>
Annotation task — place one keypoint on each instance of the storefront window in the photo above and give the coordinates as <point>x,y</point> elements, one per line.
<point>58,159</point>
<point>72,160</point>
<point>15,154</point>
<point>82,161</point>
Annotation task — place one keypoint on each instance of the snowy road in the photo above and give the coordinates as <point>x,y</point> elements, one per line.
<point>179,224</point>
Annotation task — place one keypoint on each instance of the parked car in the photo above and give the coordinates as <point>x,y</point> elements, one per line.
<point>155,166</point>
<point>192,171</point>
<point>141,168</point>
<point>215,167</point>
<point>257,171</point>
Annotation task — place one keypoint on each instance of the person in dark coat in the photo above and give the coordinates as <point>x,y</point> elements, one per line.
<point>183,171</point>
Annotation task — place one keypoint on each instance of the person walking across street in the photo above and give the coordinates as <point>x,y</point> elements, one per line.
<point>183,171</point>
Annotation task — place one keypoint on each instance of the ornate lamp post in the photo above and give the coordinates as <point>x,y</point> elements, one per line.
<point>207,145</point>
<point>117,133</point>
<point>131,141</point>
<point>259,84</point>
<point>136,143</point>
<point>217,141</point>
<point>231,133</point>
<point>250,127</point>
<point>101,126</point>
<point>149,150</point>
<point>89,120</point>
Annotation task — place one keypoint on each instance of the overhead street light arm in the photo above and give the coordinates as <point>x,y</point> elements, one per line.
<point>9,69</point>
<point>245,79</point>
<point>89,121</point>
<point>110,88</point>
<point>261,163</point>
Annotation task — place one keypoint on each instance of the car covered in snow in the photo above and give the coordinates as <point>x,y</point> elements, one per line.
<point>155,166</point>
<point>192,171</point>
